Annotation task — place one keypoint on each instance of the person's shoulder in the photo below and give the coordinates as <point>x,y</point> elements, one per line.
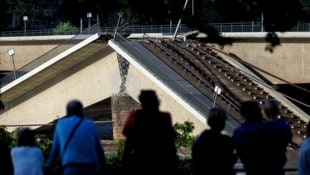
<point>305,145</point>
<point>89,121</point>
<point>17,149</point>
<point>14,149</point>
<point>203,134</point>
<point>165,113</point>
<point>35,149</point>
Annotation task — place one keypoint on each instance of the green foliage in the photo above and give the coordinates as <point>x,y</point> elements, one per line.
<point>184,137</point>
<point>65,28</point>
<point>14,136</point>
<point>33,9</point>
<point>184,144</point>
<point>115,158</point>
<point>45,144</point>
<point>6,136</point>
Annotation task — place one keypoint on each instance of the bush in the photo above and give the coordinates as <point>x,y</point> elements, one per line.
<point>184,137</point>
<point>65,28</point>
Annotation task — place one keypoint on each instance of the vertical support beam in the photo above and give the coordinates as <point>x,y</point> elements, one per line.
<point>121,107</point>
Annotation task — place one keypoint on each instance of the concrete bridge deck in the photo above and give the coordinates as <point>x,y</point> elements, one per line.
<point>92,71</point>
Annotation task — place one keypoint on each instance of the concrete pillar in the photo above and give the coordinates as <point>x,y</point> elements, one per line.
<point>121,107</point>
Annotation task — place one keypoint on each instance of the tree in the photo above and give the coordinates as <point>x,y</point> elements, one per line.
<point>278,15</point>
<point>3,16</point>
<point>33,9</point>
<point>65,28</point>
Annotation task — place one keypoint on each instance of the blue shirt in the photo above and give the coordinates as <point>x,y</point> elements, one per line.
<point>84,146</point>
<point>304,158</point>
<point>27,160</point>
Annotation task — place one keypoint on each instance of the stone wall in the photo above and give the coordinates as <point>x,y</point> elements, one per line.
<point>121,107</point>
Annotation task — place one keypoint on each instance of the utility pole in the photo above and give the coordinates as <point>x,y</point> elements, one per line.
<point>179,22</point>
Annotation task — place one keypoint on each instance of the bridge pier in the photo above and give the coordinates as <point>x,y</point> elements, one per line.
<point>121,107</point>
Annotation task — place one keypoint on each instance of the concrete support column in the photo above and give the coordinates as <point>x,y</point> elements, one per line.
<point>121,107</point>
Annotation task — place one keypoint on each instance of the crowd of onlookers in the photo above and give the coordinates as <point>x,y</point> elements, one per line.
<point>260,143</point>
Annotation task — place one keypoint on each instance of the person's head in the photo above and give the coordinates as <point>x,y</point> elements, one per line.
<point>75,107</point>
<point>217,119</point>
<point>149,100</point>
<point>26,137</point>
<point>251,111</point>
<point>271,108</point>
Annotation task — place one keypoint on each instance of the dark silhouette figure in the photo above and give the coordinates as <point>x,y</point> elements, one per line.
<point>84,154</point>
<point>213,152</point>
<point>303,167</point>
<point>6,165</point>
<point>277,135</point>
<point>248,140</point>
<point>27,157</point>
<point>150,139</point>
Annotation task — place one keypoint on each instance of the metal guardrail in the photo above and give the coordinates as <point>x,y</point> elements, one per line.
<point>254,27</point>
<point>169,29</point>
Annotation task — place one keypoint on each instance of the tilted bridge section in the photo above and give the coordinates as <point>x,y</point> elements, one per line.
<point>205,68</point>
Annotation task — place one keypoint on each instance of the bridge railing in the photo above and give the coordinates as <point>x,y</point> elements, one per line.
<point>125,29</point>
<point>168,29</point>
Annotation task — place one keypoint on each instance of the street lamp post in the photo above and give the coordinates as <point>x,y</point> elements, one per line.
<point>89,15</point>
<point>217,91</point>
<point>25,18</point>
<point>12,53</point>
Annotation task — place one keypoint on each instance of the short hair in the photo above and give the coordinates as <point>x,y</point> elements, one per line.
<point>75,107</point>
<point>251,111</point>
<point>271,107</point>
<point>217,118</point>
<point>26,137</point>
<point>148,99</point>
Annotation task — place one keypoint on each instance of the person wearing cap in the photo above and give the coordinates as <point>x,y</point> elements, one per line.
<point>150,139</point>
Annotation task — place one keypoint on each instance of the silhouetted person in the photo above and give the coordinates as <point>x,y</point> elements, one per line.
<point>303,167</point>
<point>6,165</point>
<point>248,140</point>
<point>150,138</point>
<point>27,157</point>
<point>213,152</point>
<point>84,154</point>
<point>277,135</point>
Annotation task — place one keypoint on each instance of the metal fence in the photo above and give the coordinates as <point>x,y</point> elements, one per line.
<point>254,27</point>
<point>166,29</point>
